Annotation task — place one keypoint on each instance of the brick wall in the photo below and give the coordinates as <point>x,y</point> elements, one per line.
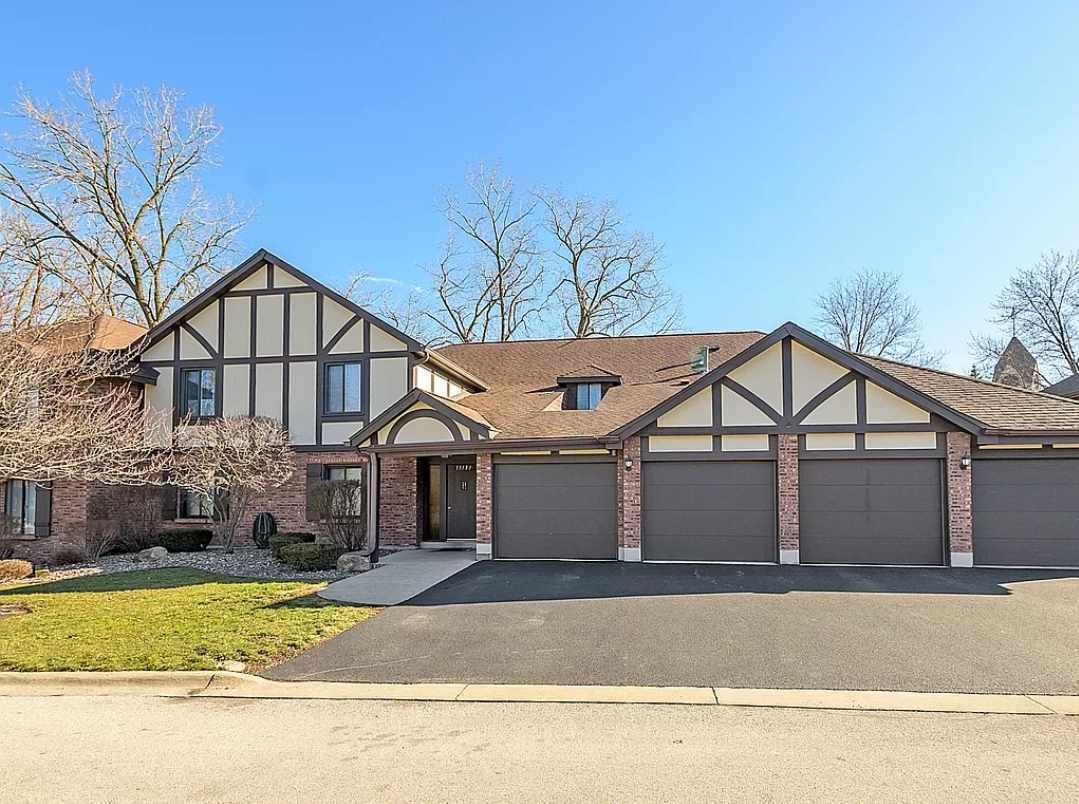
<point>397,501</point>
<point>787,477</point>
<point>629,494</point>
<point>960,522</point>
<point>484,513</point>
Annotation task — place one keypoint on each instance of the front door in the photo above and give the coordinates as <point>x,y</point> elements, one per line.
<point>461,498</point>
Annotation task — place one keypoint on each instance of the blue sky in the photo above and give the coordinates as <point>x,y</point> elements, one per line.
<point>770,146</point>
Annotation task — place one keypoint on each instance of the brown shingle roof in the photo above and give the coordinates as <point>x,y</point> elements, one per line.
<point>998,407</point>
<point>522,378</point>
<point>100,332</point>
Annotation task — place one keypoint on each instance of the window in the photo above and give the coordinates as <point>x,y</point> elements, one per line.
<point>343,388</point>
<point>21,506</point>
<point>199,393</point>
<point>586,396</point>
<point>194,505</point>
<point>350,474</point>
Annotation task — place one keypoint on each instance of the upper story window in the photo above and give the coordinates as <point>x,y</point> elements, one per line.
<point>198,393</point>
<point>585,396</point>
<point>342,388</point>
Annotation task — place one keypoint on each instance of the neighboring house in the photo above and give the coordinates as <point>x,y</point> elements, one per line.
<point>1017,367</point>
<point>783,448</point>
<point>1068,387</point>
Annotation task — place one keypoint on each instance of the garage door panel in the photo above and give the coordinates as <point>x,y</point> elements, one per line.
<point>1025,471</point>
<point>734,497</point>
<point>869,472</point>
<point>710,473</point>
<point>708,511</point>
<point>555,510</point>
<point>569,498</point>
<point>1029,552</point>
<point>898,525</point>
<point>870,511</point>
<point>732,523</point>
<point>554,475</point>
<point>1026,512</point>
<point>681,546</point>
<point>1024,497</point>
<point>580,522</point>
<point>868,550</point>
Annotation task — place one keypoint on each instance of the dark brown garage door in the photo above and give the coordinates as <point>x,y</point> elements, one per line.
<point>709,511</point>
<point>1026,512</point>
<point>555,510</point>
<point>873,511</point>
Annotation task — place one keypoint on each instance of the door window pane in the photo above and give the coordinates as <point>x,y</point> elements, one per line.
<point>434,502</point>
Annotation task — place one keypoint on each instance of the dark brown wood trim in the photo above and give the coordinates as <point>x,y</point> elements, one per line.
<point>412,415</point>
<point>824,395</point>
<point>788,386</point>
<point>753,399</point>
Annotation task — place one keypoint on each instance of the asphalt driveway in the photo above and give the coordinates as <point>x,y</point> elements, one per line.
<point>975,630</point>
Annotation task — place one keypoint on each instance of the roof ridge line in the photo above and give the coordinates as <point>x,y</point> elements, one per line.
<point>604,339</point>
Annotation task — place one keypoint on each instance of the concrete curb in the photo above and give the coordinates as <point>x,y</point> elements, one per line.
<point>223,684</point>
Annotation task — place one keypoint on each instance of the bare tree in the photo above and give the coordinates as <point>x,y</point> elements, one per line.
<point>407,308</point>
<point>105,207</point>
<point>1040,306</point>
<point>229,462</point>
<point>868,313</point>
<point>69,411</point>
<point>611,282</point>
<point>341,507</point>
<point>490,286</point>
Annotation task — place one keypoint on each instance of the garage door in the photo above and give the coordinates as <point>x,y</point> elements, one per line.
<point>1026,512</point>
<point>555,510</point>
<point>709,511</point>
<point>872,511</point>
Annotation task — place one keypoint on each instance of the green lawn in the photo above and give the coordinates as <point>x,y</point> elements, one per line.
<point>165,619</point>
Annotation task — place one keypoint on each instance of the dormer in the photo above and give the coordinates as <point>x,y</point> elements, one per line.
<point>586,386</point>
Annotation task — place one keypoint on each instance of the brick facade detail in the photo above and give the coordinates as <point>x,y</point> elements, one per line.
<point>629,494</point>
<point>960,520</point>
<point>398,501</point>
<point>484,498</point>
<point>787,482</point>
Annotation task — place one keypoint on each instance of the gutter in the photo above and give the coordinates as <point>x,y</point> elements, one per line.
<point>425,355</point>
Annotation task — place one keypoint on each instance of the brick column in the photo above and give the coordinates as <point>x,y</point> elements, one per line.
<point>484,521</point>
<point>629,500</point>
<point>787,476</point>
<point>397,501</point>
<point>960,521</point>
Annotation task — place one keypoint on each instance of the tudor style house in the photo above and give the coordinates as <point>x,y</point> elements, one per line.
<point>722,447</point>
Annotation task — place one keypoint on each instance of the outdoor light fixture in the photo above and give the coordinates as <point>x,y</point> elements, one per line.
<point>628,463</point>
<point>964,462</point>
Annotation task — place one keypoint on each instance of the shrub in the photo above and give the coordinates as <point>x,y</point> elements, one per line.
<point>281,540</point>
<point>132,514</point>
<point>309,556</point>
<point>68,554</point>
<point>184,541</point>
<point>14,570</point>
<point>7,550</point>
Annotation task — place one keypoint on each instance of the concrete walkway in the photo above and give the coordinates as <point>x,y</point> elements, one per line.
<point>399,577</point>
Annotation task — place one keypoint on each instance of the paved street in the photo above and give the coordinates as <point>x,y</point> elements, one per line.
<point>152,749</point>
<point>708,625</point>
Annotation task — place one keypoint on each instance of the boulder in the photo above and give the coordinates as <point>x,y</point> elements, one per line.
<point>353,562</point>
<point>152,554</point>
